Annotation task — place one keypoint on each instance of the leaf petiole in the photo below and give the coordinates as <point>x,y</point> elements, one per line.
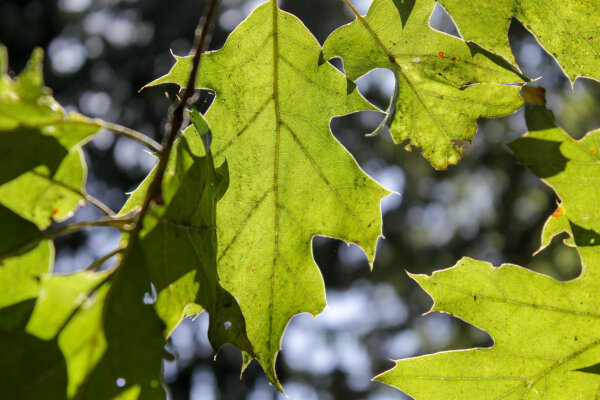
<point>132,134</point>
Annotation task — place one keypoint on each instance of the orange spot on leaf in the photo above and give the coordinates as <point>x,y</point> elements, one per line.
<point>593,151</point>
<point>558,212</point>
<point>54,212</point>
<point>441,54</point>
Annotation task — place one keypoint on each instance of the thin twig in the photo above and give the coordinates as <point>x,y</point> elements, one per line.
<point>99,205</point>
<point>130,133</point>
<point>202,34</point>
<point>135,135</point>
<point>124,224</point>
<point>98,263</point>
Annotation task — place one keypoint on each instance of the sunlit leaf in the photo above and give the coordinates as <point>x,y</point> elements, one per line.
<point>290,179</point>
<point>568,29</point>
<point>42,170</point>
<point>444,84</point>
<point>546,333</point>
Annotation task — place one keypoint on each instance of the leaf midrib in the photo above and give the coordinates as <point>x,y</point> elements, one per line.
<point>276,56</point>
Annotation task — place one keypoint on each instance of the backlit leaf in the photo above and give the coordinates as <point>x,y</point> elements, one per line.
<point>42,170</point>
<point>290,179</point>
<point>180,243</point>
<point>546,333</point>
<point>444,84</point>
<point>568,29</point>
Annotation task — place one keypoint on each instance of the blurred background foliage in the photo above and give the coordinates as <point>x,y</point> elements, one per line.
<point>101,52</point>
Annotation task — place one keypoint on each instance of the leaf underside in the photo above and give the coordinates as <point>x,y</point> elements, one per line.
<point>546,332</point>
<point>569,30</point>
<point>444,84</point>
<point>42,171</point>
<point>290,179</point>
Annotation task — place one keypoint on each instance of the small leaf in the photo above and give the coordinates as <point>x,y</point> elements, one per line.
<point>444,84</point>
<point>42,169</point>
<point>23,259</point>
<point>570,167</point>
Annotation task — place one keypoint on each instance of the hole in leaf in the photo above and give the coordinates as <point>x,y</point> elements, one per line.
<point>121,382</point>
<point>150,297</point>
<point>227,325</point>
<point>441,21</point>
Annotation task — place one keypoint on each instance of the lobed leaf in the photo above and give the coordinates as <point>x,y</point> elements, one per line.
<point>569,30</point>
<point>42,169</point>
<point>290,179</point>
<point>443,83</point>
<point>546,333</point>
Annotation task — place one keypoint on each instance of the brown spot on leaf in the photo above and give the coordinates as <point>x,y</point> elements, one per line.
<point>454,58</point>
<point>591,38</point>
<point>558,212</point>
<point>528,164</point>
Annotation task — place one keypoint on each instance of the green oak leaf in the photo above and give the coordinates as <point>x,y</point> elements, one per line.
<point>569,30</point>
<point>180,242</point>
<point>546,332</point>
<point>43,361</point>
<point>104,323</point>
<point>42,169</point>
<point>571,167</point>
<point>443,83</point>
<point>290,179</point>
<point>110,339</point>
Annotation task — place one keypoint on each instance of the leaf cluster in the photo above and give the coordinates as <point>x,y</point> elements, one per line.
<point>225,221</point>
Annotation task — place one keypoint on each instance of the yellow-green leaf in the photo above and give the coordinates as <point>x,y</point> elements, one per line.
<point>546,332</point>
<point>290,179</point>
<point>42,170</point>
<point>569,30</point>
<point>443,83</point>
